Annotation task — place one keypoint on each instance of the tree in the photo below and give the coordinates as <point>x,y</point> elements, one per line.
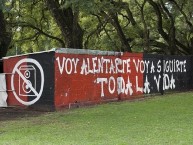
<point>68,22</point>
<point>5,37</point>
<point>161,26</point>
<point>32,26</point>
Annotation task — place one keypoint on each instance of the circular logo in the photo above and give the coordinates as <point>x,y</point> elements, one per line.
<point>27,80</point>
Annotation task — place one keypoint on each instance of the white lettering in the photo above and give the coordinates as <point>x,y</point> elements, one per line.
<point>61,67</point>
<point>146,84</point>
<point>102,81</point>
<point>157,81</point>
<point>138,89</point>
<point>112,79</point>
<point>68,66</point>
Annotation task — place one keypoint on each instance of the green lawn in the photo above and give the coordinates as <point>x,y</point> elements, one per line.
<point>163,120</point>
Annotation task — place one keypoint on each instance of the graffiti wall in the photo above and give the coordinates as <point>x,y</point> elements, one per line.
<point>177,72</point>
<point>84,78</point>
<point>30,80</point>
<point>93,77</point>
<point>165,73</point>
<point>66,76</point>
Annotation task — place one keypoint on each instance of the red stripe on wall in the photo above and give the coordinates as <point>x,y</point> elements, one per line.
<point>8,66</point>
<point>95,78</point>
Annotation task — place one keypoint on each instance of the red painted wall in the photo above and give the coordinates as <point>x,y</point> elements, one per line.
<point>9,65</point>
<point>31,79</point>
<point>68,76</point>
<point>96,78</point>
<point>134,76</point>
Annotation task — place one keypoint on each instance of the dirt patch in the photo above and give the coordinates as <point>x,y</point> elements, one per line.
<point>18,113</point>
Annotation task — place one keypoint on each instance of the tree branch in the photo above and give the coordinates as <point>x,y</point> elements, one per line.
<point>24,24</point>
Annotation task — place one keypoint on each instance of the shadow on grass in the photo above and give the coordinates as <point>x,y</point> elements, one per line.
<point>7,114</point>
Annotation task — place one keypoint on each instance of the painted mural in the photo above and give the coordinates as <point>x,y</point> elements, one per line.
<point>31,79</point>
<point>58,79</point>
<point>95,78</point>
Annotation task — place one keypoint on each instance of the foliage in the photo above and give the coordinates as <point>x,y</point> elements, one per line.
<point>5,35</point>
<point>161,26</point>
<point>33,27</point>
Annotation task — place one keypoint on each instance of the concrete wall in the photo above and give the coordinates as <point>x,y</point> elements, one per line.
<point>67,77</point>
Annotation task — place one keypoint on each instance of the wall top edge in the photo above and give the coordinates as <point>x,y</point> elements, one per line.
<point>87,51</point>
<point>48,51</point>
<point>90,52</point>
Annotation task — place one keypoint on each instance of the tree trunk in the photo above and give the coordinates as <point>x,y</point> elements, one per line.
<point>169,37</point>
<point>191,43</point>
<point>125,44</point>
<point>172,31</point>
<point>67,21</point>
<point>5,37</point>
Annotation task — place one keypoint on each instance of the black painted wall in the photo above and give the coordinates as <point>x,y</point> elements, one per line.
<point>167,73</point>
<point>46,61</point>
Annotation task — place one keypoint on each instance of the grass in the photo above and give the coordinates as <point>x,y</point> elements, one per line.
<point>163,120</point>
